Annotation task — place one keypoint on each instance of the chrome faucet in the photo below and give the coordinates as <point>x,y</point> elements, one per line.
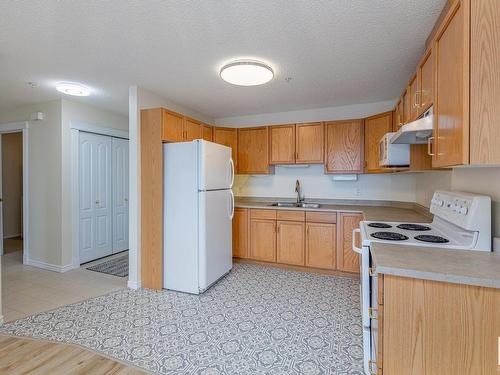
<point>297,190</point>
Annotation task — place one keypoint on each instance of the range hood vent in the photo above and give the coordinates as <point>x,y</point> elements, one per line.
<point>416,132</point>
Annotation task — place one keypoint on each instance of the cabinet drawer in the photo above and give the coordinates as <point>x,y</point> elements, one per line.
<point>321,217</point>
<point>291,215</point>
<point>256,213</point>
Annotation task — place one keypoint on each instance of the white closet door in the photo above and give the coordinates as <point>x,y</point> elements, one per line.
<point>1,200</point>
<point>95,196</point>
<point>120,194</point>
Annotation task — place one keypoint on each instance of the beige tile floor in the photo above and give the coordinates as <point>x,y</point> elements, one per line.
<point>29,290</point>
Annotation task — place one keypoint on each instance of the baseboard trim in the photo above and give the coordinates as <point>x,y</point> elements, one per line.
<point>133,284</point>
<point>12,236</point>
<point>48,266</point>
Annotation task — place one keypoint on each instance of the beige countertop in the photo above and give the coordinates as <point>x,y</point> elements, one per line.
<point>454,266</point>
<point>431,263</point>
<point>371,210</point>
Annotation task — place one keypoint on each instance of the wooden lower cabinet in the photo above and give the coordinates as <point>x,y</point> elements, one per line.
<point>301,238</point>
<point>240,233</point>
<point>321,245</point>
<point>263,240</point>
<point>347,259</point>
<point>290,242</point>
<point>437,328</point>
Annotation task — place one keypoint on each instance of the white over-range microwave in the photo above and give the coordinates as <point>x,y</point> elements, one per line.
<point>392,154</point>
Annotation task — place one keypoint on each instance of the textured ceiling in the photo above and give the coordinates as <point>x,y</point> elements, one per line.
<point>337,52</point>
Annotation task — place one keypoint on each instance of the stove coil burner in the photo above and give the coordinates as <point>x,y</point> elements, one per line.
<point>416,227</point>
<point>389,236</point>
<point>430,238</point>
<point>380,225</point>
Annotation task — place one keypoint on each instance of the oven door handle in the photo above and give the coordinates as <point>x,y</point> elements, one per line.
<point>354,247</point>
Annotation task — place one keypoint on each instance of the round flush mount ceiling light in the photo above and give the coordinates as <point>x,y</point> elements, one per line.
<point>246,73</point>
<point>71,88</point>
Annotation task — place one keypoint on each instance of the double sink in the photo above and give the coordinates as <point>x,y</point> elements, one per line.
<point>295,204</point>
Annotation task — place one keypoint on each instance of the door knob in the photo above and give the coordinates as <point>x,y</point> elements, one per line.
<point>96,202</point>
<point>126,199</point>
<point>1,200</point>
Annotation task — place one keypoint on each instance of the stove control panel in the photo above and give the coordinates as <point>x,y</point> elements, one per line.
<point>468,211</point>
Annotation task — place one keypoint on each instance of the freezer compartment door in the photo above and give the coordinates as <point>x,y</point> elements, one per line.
<point>215,167</point>
<point>215,241</point>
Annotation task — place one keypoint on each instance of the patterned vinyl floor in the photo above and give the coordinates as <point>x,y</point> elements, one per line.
<point>257,320</point>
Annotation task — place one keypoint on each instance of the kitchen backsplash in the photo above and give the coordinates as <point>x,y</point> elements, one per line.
<point>315,184</point>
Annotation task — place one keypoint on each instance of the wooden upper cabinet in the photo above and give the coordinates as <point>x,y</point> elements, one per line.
<point>451,117</point>
<point>253,150</point>
<point>192,129</point>
<point>240,233</point>
<point>263,240</point>
<point>290,242</point>
<point>406,106</point>
<point>396,121</point>
<point>172,126</point>
<point>207,132</point>
<point>485,82</point>
<point>347,259</point>
<point>321,245</point>
<point>227,137</point>
<point>413,96</point>
<point>309,140</point>
<point>375,128</point>
<point>344,146</point>
<point>282,144</point>
<point>425,77</point>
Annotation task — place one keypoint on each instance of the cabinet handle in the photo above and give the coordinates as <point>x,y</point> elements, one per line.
<point>429,146</point>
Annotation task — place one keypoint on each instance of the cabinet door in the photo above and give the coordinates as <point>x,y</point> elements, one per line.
<point>400,113</point>
<point>347,259</point>
<point>240,233</point>
<point>263,240</point>
<point>172,127</point>
<point>406,106</point>
<point>451,121</point>
<point>426,82</point>
<point>192,130</point>
<point>282,143</point>
<point>207,133</point>
<point>375,128</point>
<point>309,142</point>
<point>290,242</point>
<point>253,150</point>
<point>344,146</point>
<point>395,119</point>
<point>321,245</point>
<point>227,137</point>
<point>413,87</point>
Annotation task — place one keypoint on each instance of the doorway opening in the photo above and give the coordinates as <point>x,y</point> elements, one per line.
<point>12,220</point>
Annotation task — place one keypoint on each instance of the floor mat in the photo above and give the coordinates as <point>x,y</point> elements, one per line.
<point>115,267</point>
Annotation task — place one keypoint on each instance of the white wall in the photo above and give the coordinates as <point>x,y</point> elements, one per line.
<point>12,183</point>
<point>315,184</point>
<point>50,173</point>
<point>481,180</point>
<point>44,179</point>
<point>308,115</point>
<point>140,98</point>
<point>73,112</point>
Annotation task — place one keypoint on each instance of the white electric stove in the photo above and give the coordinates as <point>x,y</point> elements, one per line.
<point>462,221</point>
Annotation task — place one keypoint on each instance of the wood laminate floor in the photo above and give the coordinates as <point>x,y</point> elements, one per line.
<point>24,356</point>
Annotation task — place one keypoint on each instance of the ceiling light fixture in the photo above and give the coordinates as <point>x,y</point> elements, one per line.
<point>246,73</point>
<point>74,89</point>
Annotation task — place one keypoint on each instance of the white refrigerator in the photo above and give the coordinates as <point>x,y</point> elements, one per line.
<point>198,210</point>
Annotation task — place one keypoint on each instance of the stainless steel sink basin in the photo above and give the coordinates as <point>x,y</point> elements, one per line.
<point>294,204</point>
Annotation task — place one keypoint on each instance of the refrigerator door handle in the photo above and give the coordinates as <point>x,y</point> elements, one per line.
<point>231,164</point>
<point>231,215</point>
